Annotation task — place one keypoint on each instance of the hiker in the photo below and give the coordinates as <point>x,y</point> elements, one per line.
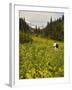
<point>56,45</point>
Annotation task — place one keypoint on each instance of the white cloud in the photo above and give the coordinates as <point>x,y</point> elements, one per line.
<point>39,18</point>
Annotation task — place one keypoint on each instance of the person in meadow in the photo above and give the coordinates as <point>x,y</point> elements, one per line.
<point>55,45</point>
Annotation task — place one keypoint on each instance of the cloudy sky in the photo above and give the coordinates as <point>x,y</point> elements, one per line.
<point>39,18</point>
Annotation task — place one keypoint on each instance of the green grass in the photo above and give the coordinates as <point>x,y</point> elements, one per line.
<point>40,60</point>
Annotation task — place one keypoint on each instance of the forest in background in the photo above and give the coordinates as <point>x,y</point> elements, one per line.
<point>53,30</point>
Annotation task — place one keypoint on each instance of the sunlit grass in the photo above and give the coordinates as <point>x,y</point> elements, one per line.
<point>40,60</point>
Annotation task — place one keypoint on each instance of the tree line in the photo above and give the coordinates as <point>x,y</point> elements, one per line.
<point>54,29</point>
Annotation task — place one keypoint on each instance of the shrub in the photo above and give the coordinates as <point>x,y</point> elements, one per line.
<point>25,38</point>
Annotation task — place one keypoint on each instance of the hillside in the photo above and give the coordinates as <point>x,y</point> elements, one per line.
<point>40,59</point>
<point>53,29</point>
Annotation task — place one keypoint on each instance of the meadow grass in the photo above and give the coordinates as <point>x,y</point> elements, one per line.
<point>40,60</point>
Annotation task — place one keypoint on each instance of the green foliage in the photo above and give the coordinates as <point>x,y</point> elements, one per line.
<point>40,60</point>
<point>55,29</point>
<point>24,37</point>
<point>23,26</point>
